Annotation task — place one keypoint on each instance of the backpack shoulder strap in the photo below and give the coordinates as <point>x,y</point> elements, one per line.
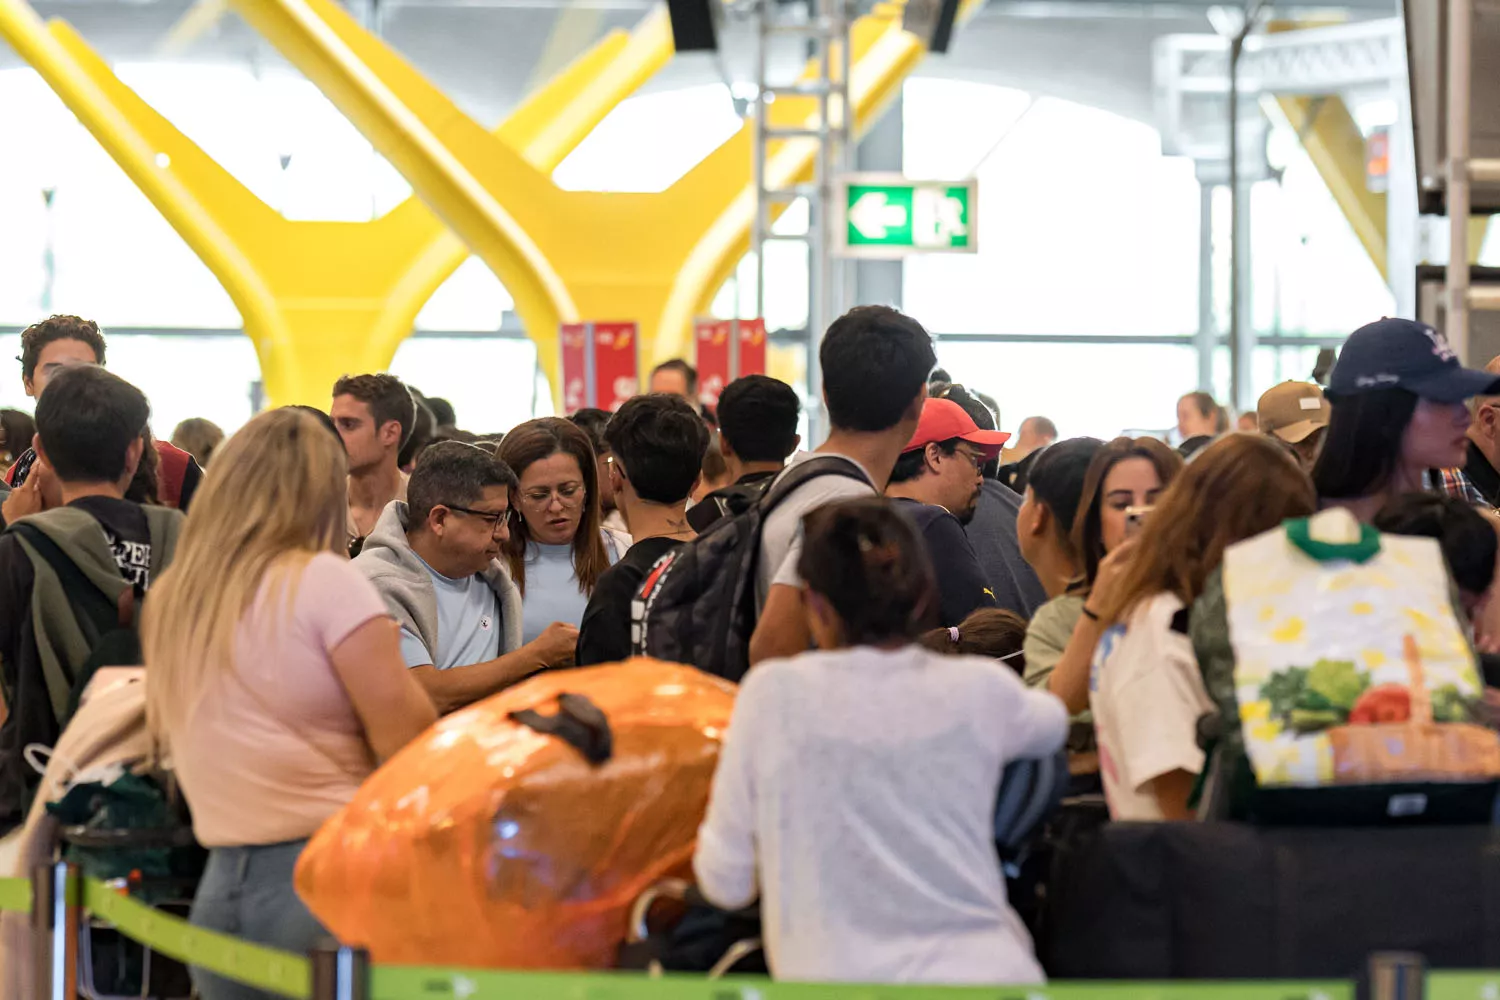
<point>823,465</point>
<point>85,596</point>
<point>92,609</point>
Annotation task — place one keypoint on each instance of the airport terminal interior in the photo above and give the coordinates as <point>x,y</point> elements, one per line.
<point>1096,130</point>
<point>749,499</point>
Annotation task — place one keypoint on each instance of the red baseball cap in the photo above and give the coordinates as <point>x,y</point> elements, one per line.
<point>944,420</point>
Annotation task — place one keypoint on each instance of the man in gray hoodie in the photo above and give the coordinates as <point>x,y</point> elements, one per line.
<point>435,560</point>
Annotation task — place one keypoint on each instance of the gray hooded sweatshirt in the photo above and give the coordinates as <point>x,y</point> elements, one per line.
<point>399,574</point>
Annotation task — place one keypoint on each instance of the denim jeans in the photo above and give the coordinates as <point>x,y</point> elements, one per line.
<point>247,892</point>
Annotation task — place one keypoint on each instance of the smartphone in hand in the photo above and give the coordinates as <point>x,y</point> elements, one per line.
<point>1135,520</point>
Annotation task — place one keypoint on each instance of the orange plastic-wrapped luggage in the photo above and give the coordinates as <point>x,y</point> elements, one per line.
<point>489,843</point>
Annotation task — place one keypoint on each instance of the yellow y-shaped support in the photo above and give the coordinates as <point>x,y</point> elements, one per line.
<point>654,258</point>
<point>317,298</point>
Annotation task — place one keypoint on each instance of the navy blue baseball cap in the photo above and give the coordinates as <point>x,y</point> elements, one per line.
<point>1403,354</point>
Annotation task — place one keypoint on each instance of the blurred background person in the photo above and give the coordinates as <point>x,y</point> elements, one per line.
<point>1200,419</point>
<point>16,432</point>
<point>198,437</point>
<point>1295,413</point>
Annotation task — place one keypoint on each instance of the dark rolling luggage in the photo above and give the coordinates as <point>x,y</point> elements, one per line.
<point>1224,900</point>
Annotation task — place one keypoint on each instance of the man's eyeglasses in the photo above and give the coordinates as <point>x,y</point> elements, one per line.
<point>976,458</point>
<point>494,518</point>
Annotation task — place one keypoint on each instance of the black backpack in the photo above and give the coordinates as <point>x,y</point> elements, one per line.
<point>109,627</point>
<point>730,501</point>
<point>697,605</point>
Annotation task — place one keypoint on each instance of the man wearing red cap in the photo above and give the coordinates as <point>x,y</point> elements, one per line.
<point>936,482</point>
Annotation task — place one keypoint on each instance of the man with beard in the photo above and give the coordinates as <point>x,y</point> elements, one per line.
<point>937,483</point>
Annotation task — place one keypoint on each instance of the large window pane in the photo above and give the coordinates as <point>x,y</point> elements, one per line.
<point>1084,228</point>
<point>492,382</point>
<point>183,376</point>
<point>1087,389</point>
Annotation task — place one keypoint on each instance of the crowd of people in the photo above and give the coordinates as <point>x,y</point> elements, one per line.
<point>933,600</point>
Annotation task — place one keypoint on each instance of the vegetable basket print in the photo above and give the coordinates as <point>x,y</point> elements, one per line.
<point>1351,665</point>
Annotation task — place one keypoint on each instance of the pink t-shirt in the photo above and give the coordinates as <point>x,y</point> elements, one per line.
<point>274,747</point>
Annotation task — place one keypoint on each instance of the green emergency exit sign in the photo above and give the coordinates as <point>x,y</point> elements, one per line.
<point>887,215</point>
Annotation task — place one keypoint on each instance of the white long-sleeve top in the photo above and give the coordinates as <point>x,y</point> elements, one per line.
<point>855,792</point>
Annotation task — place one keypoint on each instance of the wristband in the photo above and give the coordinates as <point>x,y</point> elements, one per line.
<point>1089,614</point>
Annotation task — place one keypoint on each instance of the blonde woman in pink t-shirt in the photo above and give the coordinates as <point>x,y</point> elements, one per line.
<point>275,681</point>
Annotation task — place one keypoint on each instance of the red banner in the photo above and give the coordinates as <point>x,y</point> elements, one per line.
<point>712,338</point>
<point>600,365</point>
<point>617,370</point>
<point>752,347</point>
<point>573,341</point>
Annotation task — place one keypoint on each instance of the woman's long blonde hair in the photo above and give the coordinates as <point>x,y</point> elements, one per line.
<point>275,496</point>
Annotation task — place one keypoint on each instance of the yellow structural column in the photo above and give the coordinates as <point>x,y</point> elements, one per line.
<point>654,258</point>
<point>1336,146</point>
<point>317,298</point>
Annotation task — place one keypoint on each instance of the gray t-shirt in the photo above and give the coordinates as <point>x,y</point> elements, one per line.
<point>469,626</point>
<point>781,533</point>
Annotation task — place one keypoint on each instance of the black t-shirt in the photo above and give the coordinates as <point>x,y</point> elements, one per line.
<point>723,502</point>
<point>129,536</point>
<point>604,636</point>
<point>962,587</point>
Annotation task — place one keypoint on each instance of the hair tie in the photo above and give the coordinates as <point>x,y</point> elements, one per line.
<point>954,635</point>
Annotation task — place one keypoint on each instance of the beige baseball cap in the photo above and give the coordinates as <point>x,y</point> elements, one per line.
<point>1292,411</point>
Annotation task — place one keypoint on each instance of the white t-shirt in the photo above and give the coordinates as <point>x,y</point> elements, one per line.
<point>781,533</point>
<point>856,792</point>
<point>1147,695</point>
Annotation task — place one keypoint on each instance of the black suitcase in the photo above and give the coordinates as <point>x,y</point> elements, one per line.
<point>1225,900</point>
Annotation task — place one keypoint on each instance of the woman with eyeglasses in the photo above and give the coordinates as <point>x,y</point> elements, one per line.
<point>557,549</point>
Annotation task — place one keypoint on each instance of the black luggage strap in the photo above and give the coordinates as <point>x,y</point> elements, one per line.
<point>578,722</point>
<point>812,468</point>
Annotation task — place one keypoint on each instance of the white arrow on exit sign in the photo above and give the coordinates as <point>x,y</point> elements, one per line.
<point>873,215</point>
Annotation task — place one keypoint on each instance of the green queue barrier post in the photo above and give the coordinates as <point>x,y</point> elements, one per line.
<point>340,972</point>
<point>55,920</point>
<point>1397,975</point>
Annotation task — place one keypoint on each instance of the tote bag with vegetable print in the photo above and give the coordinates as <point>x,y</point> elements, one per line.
<point>1352,673</point>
